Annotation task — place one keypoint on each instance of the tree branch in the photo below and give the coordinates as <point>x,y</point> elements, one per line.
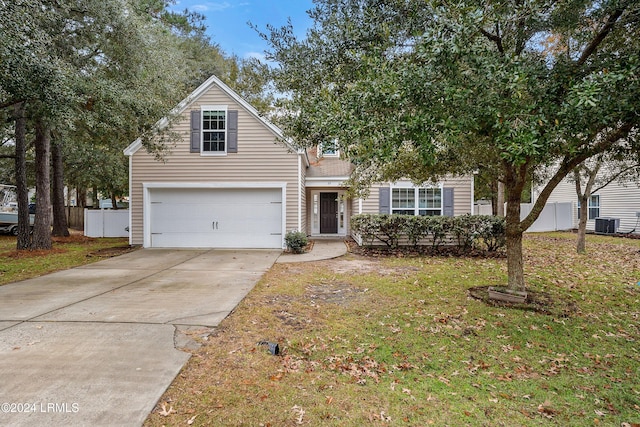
<point>604,31</point>
<point>576,178</point>
<point>616,176</point>
<point>520,39</point>
<point>568,164</point>
<point>593,173</point>
<point>494,38</point>
<point>11,103</point>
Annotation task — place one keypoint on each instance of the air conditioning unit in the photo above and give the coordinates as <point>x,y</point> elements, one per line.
<point>606,225</point>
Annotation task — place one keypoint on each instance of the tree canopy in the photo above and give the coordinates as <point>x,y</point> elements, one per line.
<point>93,76</point>
<point>423,89</point>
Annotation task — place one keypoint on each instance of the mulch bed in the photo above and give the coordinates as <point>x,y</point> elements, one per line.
<point>73,238</point>
<point>539,302</point>
<point>114,251</point>
<point>15,254</point>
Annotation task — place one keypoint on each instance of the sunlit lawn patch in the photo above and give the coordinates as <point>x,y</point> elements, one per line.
<point>399,341</point>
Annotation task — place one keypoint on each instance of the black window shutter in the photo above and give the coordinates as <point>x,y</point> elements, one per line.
<point>232,131</point>
<point>447,201</point>
<point>384,200</point>
<point>195,131</point>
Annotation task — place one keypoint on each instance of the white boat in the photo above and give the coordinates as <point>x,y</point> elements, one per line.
<point>9,222</point>
<point>8,211</point>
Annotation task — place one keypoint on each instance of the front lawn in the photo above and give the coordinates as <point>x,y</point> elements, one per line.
<point>399,342</point>
<point>67,252</point>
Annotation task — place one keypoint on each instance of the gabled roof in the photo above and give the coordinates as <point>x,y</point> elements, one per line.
<point>193,97</point>
<point>325,166</point>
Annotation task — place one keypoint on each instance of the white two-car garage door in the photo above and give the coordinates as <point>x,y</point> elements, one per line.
<point>215,217</point>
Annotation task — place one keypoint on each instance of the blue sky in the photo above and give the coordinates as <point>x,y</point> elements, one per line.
<point>227,21</point>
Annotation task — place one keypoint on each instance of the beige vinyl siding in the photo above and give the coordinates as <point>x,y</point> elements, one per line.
<point>619,201</point>
<point>259,159</point>
<point>461,196</point>
<point>371,203</point>
<point>616,201</point>
<point>462,193</point>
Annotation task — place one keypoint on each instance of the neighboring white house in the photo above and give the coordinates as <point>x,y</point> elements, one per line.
<point>613,201</point>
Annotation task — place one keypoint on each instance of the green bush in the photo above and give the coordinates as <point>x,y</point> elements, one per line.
<point>466,230</point>
<point>493,233</point>
<point>469,232</point>
<point>296,241</point>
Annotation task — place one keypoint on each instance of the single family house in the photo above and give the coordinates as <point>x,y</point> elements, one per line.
<point>233,181</point>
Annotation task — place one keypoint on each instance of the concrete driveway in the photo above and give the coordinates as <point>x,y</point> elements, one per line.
<point>99,344</point>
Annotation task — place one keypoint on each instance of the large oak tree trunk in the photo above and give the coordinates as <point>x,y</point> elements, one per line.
<point>60,223</point>
<point>500,199</point>
<point>514,233</point>
<point>42,225</point>
<point>22,190</point>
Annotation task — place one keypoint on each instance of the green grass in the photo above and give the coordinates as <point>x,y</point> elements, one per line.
<point>66,253</point>
<point>398,341</point>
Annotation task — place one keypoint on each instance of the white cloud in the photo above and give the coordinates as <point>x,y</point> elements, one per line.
<point>257,55</point>
<point>211,6</point>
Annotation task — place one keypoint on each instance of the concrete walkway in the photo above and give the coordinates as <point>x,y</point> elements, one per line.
<point>322,249</point>
<point>98,345</point>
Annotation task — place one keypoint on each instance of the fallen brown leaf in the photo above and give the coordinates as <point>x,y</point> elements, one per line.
<point>166,412</point>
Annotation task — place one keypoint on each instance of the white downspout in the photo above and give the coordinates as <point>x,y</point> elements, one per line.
<point>299,192</point>
<point>473,196</point>
<point>130,200</point>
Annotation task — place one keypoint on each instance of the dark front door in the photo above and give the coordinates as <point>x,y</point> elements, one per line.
<point>328,213</point>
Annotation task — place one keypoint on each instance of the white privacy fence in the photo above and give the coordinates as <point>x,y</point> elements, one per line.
<point>106,223</point>
<point>482,209</point>
<point>554,216</point>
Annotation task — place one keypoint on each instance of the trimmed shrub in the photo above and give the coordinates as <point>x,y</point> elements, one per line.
<point>439,228</point>
<point>384,228</point>
<point>296,241</point>
<point>416,229</point>
<point>468,232</point>
<point>493,233</point>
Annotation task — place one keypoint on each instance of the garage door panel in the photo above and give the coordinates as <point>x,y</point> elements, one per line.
<point>219,240</point>
<point>223,218</point>
<point>168,217</point>
<point>218,195</point>
<point>249,212</point>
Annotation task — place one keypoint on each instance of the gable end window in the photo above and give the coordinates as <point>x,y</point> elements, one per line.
<point>328,149</point>
<point>214,130</point>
